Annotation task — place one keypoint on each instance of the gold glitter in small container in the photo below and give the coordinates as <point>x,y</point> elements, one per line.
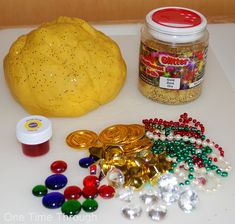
<point>173,52</point>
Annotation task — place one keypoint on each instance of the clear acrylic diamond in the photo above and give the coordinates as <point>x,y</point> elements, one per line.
<point>169,189</point>
<point>149,195</point>
<point>167,181</point>
<point>157,212</point>
<point>188,200</point>
<point>125,194</point>
<point>131,211</point>
<point>115,177</point>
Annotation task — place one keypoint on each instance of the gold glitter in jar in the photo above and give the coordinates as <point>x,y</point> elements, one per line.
<point>172,59</point>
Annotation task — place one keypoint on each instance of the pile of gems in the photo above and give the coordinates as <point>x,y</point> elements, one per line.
<point>68,200</point>
<point>153,165</point>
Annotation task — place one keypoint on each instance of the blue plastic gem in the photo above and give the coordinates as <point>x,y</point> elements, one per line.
<point>53,200</point>
<point>86,162</point>
<point>56,181</point>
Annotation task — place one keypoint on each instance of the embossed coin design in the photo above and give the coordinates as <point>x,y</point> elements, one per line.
<point>115,134</point>
<point>82,139</point>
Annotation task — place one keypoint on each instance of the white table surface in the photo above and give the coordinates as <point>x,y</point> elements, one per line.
<point>215,109</point>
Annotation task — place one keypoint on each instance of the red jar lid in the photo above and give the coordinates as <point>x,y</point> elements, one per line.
<point>177,17</point>
<point>178,22</point>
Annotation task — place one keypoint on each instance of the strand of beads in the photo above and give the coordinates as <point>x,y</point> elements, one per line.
<point>186,146</point>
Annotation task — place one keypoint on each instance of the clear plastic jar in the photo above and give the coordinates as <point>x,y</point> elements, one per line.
<point>173,52</point>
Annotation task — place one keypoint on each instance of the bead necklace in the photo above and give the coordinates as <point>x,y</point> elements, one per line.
<point>186,146</point>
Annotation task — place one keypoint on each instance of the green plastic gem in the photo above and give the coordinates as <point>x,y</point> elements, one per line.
<point>71,207</point>
<point>39,190</point>
<point>89,205</point>
<point>218,171</point>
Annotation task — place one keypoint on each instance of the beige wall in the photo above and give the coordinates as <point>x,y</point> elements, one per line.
<point>28,12</point>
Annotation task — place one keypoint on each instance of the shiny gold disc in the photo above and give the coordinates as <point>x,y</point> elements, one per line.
<point>115,134</point>
<point>135,132</point>
<point>137,146</point>
<point>81,139</point>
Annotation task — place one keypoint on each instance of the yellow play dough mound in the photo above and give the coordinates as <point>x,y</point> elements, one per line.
<point>64,68</point>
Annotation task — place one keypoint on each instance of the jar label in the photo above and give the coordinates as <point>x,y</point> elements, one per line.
<point>33,124</point>
<point>172,70</point>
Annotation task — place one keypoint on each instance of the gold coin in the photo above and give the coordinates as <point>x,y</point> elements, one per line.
<point>135,132</point>
<point>82,139</point>
<point>137,146</point>
<point>115,134</point>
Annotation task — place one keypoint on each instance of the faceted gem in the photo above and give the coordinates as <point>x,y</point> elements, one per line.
<point>53,200</point>
<point>89,205</point>
<point>131,211</point>
<point>169,189</point>
<point>72,192</point>
<point>149,196</point>
<point>106,191</point>
<point>58,166</point>
<point>91,181</point>
<point>39,190</point>
<point>157,212</point>
<point>188,200</point>
<point>125,194</point>
<point>86,162</point>
<point>90,192</point>
<point>56,181</point>
<point>71,207</point>
<point>115,177</point>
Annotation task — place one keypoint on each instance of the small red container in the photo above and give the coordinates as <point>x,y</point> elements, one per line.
<point>34,133</point>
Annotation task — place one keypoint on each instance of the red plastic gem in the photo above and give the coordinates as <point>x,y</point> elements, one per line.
<point>91,181</point>
<point>72,193</point>
<point>58,166</point>
<point>90,192</point>
<point>106,191</point>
